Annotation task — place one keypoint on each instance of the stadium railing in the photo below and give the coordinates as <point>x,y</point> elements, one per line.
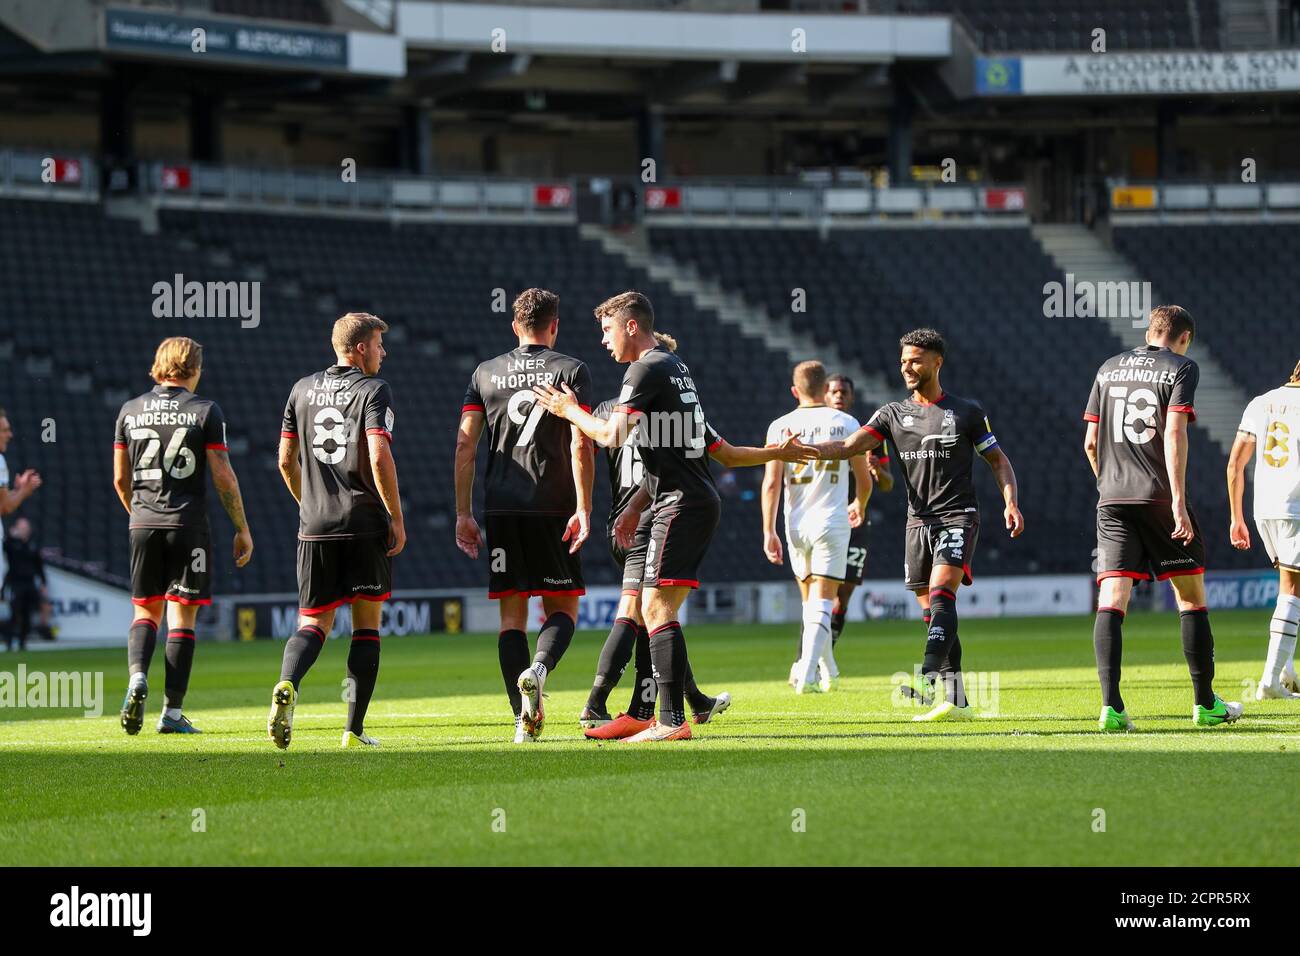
<point>30,174</point>
<point>1171,200</point>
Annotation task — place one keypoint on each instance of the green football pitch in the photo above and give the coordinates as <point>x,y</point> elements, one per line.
<point>843,778</point>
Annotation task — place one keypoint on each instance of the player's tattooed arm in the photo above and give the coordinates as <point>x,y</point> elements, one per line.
<point>384,470</point>
<point>469,536</point>
<point>122,477</point>
<point>1006,476</point>
<point>227,485</point>
<point>1090,437</point>
<point>1176,468</point>
<point>744,456</point>
<point>857,443</point>
<point>290,467</point>
<point>1243,450</point>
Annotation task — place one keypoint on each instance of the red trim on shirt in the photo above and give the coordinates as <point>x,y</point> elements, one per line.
<point>1187,409</point>
<point>1135,575</point>
<point>627,410</point>
<point>1089,417</point>
<point>586,408</point>
<point>1178,574</point>
<point>176,599</point>
<point>288,434</point>
<point>470,408</point>
<point>922,401</point>
<point>119,444</point>
<point>719,442</point>
<point>380,431</point>
<point>872,432</point>
<point>216,447</point>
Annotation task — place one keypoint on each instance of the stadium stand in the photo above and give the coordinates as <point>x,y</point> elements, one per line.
<point>1027,25</point>
<point>87,284</point>
<point>981,286</point>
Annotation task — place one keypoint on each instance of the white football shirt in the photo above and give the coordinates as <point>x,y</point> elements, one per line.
<point>816,492</point>
<point>1274,419</point>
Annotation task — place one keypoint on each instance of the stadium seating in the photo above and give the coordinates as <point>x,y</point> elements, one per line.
<point>982,287</point>
<point>76,291</point>
<point>86,282</point>
<point>1027,25</point>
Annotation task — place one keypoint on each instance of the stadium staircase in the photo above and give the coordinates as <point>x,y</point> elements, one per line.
<point>733,309</point>
<point>1083,253</point>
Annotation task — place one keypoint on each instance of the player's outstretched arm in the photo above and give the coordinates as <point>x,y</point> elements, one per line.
<point>121,478</point>
<point>1090,447</point>
<point>1006,476</point>
<point>290,467</point>
<point>857,443</point>
<point>469,536</point>
<point>744,456</point>
<point>227,485</point>
<point>25,485</point>
<point>1243,450</point>
<point>563,403</point>
<point>384,468</point>
<point>584,472</point>
<point>1176,468</point>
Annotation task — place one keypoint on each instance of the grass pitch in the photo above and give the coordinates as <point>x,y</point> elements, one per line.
<point>844,778</point>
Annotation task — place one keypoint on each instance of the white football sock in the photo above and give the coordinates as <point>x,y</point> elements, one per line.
<point>1281,638</point>
<point>828,658</point>
<point>137,678</point>
<point>816,635</point>
<point>172,713</point>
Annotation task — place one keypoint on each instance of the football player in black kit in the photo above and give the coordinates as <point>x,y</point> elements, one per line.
<point>1136,441</point>
<point>165,442</point>
<point>935,437</point>
<point>659,395</point>
<point>336,459</point>
<point>626,478</point>
<point>537,499</point>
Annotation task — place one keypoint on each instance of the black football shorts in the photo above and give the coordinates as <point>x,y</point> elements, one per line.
<point>951,543</point>
<point>855,567</point>
<point>339,571</point>
<point>679,539</point>
<point>1133,542</point>
<point>172,564</point>
<point>527,555</point>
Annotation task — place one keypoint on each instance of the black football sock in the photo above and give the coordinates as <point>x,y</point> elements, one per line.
<point>837,626</point>
<point>954,687</point>
<point>553,640</point>
<point>300,652</point>
<point>942,630</point>
<point>140,641</point>
<point>179,655</point>
<point>646,691</point>
<point>512,650</point>
<point>1198,648</point>
<point>701,703</point>
<point>363,671</point>
<point>668,655</point>
<point>613,660</point>
<point>1108,644</point>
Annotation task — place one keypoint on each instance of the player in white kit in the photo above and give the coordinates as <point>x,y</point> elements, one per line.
<point>1270,434</point>
<point>818,517</point>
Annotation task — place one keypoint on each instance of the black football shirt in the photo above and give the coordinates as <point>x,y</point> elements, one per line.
<point>626,469</point>
<point>935,446</point>
<point>1131,399</point>
<point>167,433</point>
<point>331,413</point>
<point>674,442</point>
<point>530,458</point>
